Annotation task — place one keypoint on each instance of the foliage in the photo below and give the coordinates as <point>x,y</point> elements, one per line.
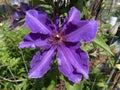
<point>116,13</point>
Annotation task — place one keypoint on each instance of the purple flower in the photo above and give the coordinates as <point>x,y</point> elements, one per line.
<point>20,13</point>
<point>64,41</point>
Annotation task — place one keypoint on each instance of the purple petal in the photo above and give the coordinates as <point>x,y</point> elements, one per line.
<point>74,14</point>
<point>57,23</point>
<point>40,63</point>
<point>69,65</point>
<point>73,45</point>
<point>66,68</point>
<point>34,40</point>
<point>82,59</point>
<point>81,30</point>
<point>38,22</point>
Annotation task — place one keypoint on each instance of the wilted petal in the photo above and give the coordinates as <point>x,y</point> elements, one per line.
<point>69,66</point>
<point>39,8</point>
<point>37,22</point>
<point>34,40</point>
<point>24,6</point>
<point>40,63</point>
<point>16,20</point>
<point>14,23</point>
<point>82,30</point>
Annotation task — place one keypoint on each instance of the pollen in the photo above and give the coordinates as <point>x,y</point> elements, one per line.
<point>57,36</point>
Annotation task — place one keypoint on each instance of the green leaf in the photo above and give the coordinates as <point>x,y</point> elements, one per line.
<point>100,84</point>
<point>105,26</point>
<point>52,85</point>
<point>53,81</point>
<point>37,2</point>
<point>81,5</point>
<point>118,85</point>
<point>117,66</point>
<point>74,86</point>
<point>100,42</point>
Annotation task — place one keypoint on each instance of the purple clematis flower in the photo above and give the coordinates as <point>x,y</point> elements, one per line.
<point>20,13</point>
<point>64,41</point>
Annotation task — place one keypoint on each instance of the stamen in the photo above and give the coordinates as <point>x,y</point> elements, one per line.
<point>58,36</point>
<point>56,39</point>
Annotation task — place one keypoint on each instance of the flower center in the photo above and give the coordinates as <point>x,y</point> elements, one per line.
<point>56,39</point>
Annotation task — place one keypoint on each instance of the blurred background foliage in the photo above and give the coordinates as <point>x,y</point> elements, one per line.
<point>104,51</point>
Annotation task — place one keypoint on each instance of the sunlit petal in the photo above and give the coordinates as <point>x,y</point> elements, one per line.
<point>40,63</point>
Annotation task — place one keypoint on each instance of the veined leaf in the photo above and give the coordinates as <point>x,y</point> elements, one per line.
<point>100,42</point>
